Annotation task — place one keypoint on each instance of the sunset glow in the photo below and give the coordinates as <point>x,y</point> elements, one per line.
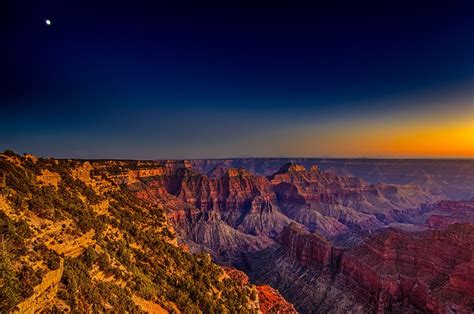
<point>286,82</point>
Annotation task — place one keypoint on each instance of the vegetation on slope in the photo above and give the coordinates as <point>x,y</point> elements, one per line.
<point>114,251</point>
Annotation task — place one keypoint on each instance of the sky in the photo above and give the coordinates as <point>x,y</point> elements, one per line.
<point>177,80</point>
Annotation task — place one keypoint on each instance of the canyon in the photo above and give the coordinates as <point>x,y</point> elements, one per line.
<point>306,235</point>
<point>326,239</point>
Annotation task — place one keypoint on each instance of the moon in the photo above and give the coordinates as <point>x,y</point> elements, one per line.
<point>48,22</point>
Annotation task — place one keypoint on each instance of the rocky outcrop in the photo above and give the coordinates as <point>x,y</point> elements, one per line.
<point>237,196</point>
<point>422,269</point>
<point>148,306</point>
<point>131,173</point>
<point>271,301</point>
<point>134,176</point>
<point>44,294</point>
<point>49,178</point>
<point>309,248</point>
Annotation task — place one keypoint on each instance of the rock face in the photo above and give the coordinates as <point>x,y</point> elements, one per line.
<point>333,204</point>
<point>309,249</point>
<point>391,271</point>
<point>241,199</point>
<point>44,294</point>
<point>227,215</point>
<point>424,268</point>
<point>269,299</point>
<point>446,213</point>
<point>129,174</point>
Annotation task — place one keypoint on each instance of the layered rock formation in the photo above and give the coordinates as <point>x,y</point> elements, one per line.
<point>446,213</point>
<point>333,204</point>
<point>450,179</point>
<point>429,270</point>
<point>239,211</point>
<point>44,294</point>
<point>228,215</point>
<point>391,271</point>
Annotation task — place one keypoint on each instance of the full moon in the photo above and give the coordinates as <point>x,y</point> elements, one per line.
<point>48,22</point>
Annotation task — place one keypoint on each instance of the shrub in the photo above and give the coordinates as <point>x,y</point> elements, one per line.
<point>28,279</point>
<point>89,256</point>
<point>10,289</point>
<point>53,260</point>
<point>10,153</point>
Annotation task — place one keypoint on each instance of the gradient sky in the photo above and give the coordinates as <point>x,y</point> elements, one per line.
<point>151,81</point>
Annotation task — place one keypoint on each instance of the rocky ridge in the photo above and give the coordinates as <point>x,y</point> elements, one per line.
<point>452,179</point>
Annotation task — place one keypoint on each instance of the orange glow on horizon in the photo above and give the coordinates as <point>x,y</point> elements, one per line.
<point>431,141</point>
<point>397,138</point>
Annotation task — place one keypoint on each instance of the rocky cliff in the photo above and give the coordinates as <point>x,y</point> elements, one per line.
<point>392,270</point>
<point>269,299</point>
<point>445,213</point>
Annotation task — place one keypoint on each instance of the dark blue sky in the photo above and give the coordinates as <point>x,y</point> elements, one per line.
<point>140,80</point>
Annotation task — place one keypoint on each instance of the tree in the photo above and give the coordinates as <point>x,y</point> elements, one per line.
<point>10,292</point>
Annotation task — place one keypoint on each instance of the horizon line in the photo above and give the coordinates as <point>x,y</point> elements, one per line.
<point>259,157</point>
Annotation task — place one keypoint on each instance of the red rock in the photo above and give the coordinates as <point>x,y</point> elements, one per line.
<point>430,269</point>
<point>236,275</point>
<point>271,301</point>
<point>445,213</point>
<point>184,247</point>
<point>309,248</point>
<point>393,270</point>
